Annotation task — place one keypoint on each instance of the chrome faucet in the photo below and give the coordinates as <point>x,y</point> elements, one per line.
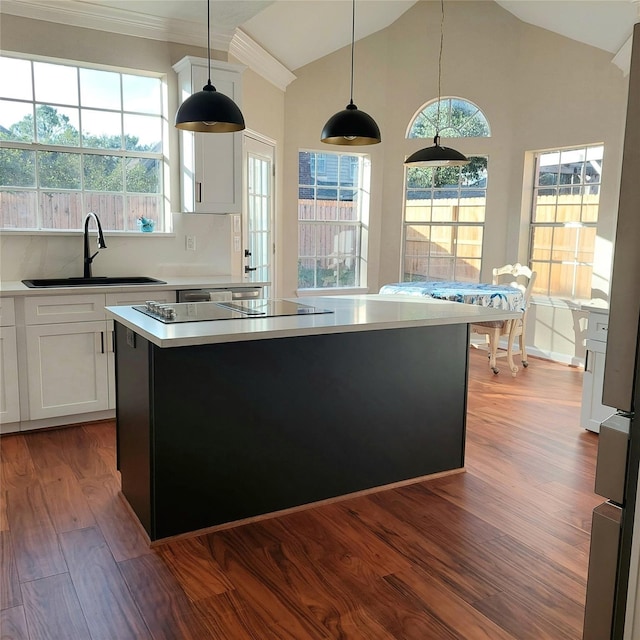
<point>101,243</point>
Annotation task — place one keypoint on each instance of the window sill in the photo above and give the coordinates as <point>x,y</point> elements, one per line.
<point>70,232</point>
<point>560,303</point>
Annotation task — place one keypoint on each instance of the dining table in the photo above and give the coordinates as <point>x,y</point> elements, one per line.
<point>498,296</point>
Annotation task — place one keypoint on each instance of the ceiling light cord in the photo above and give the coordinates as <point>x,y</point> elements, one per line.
<point>208,42</point>
<point>437,136</point>
<point>353,44</point>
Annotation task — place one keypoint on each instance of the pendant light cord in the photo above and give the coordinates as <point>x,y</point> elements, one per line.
<point>209,41</point>
<point>353,39</point>
<point>440,69</point>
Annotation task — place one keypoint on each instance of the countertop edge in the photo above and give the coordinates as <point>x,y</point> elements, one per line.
<point>350,315</point>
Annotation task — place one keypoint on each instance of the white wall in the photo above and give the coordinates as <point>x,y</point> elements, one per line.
<point>538,91</point>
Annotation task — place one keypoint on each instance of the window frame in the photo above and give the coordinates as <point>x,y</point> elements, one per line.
<point>545,287</point>
<point>88,197</point>
<point>361,225</point>
<point>445,126</point>
<point>454,225</point>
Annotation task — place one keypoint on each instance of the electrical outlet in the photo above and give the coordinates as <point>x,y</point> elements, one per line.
<point>190,243</point>
<point>236,244</point>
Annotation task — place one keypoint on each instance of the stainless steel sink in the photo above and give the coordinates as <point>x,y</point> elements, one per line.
<point>96,281</point>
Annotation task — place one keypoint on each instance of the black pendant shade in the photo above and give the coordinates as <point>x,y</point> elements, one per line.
<point>437,156</point>
<point>208,111</point>
<point>351,127</point>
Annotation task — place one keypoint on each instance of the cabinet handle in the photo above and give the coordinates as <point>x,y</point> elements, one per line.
<point>102,342</point>
<point>198,191</point>
<point>586,362</point>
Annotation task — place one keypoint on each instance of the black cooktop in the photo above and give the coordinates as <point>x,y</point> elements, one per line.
<point>206,311</point>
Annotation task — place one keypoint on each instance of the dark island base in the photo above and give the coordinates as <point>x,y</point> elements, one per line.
<point>219,433</point>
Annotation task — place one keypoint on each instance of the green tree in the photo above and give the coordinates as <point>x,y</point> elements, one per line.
<point>60,170</point>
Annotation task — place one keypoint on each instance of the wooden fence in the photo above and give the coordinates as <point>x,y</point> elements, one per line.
<point>62,211</point>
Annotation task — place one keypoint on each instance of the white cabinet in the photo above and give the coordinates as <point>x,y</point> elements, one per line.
<point>67,368</point>
<point>592,411</point>
<point>70,360</point>
<point>211,164</point>
<point>9,391</point>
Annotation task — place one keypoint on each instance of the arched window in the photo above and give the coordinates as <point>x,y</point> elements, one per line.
<point>444,208</point>
<point>458,119</point>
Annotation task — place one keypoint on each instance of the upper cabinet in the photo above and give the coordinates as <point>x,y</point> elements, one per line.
<point>211,163</point>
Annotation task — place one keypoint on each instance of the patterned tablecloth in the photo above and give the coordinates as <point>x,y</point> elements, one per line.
<point>505,297</point>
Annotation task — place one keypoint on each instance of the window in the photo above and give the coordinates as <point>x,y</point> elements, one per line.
<point>564,217</point>
<point>458,118</point>
<point>444,207</point>
<point>75,139</point>
<point>333,212</point>
<point>444,222</point>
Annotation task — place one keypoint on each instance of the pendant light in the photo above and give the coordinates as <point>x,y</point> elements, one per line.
<point>437,156</point>
<point>351,126</point>
<point>209,111</point>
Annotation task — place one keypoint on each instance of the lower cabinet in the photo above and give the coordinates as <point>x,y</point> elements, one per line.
<point>9,394</point>
<point>67,368</point>
<point>69,353</point>
<point>9,387</point>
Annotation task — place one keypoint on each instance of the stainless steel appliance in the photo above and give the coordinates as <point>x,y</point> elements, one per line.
<point>233,310</point>
<point>610,483</point>
<point>612,608</point>
<point>248,292</point>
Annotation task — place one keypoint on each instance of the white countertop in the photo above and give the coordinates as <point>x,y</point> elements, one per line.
<point>351,313</point>
<point>17,288</point>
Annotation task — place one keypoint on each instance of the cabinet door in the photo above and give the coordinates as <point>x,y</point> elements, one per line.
<point>67,368</point>
<point>9,395</point>
<point>216,185</point>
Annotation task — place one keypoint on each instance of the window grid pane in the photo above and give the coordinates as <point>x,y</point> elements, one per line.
<point>564,218</point>
<point>331,191</point>
<point>444,222</point>
<point>113,121</point>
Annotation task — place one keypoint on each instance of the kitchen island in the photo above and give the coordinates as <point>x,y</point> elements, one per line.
<point>223,421</point>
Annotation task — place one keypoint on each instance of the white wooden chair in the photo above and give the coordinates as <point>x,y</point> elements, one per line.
<point>523,278</point>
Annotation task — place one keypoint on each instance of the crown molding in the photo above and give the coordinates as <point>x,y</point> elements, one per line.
<point>118,21</point>
<point>249,52</point>
<point>622,59</point>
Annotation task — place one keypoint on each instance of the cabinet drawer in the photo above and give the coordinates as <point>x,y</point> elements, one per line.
<point>597,326</point>
<point>54,309</point>
<point>7,312</point>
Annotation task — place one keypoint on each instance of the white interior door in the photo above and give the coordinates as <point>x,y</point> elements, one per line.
<point>257,220</point>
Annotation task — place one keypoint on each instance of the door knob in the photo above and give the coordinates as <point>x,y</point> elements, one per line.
<point>247,268</point>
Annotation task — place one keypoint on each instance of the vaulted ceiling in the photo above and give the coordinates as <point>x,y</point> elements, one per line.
<point>296,32</point>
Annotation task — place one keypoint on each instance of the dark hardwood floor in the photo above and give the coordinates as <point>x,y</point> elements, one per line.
<point>496,553</point>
